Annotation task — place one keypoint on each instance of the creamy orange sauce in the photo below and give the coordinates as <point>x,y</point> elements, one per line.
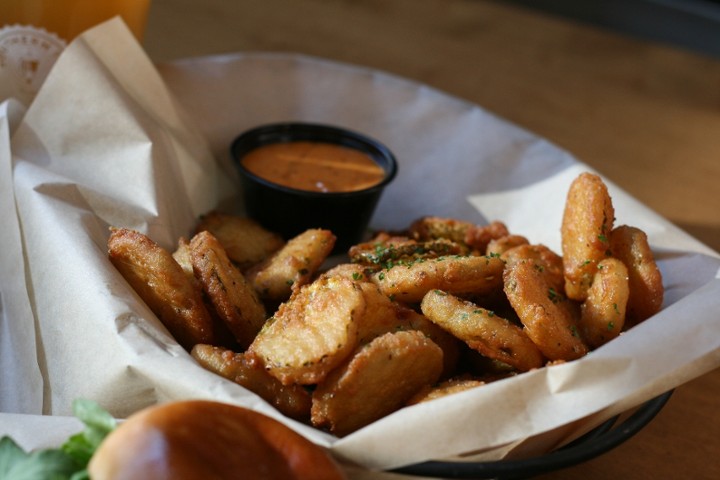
<point>314,166</point>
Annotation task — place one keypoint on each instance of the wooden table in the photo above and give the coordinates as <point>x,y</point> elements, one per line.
<point>645,115</point>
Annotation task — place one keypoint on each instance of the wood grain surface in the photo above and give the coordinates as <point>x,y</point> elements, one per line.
<point>645,115</point>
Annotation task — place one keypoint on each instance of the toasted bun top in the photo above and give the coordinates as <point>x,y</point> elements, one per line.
<point>200,439</point>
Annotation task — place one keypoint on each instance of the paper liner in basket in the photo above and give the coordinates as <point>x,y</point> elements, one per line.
<point>108,142</point>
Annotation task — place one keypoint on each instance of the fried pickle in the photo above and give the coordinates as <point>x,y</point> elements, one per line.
<point>234,299</point>
<point>630,245</point>
<point>293,265</point>
<point>476,275</point>
<point>379,379</point>
<point>546,314</point>
<point>602,314</point>
<point>384,253</point>
<point>476,237</point>
<point>245,241</point>
<point>499,246</point>
<point>163,285</point>
<point>482,330</point>
<point>383,315</point>
<point>313,332</point>
<point>445,388</point>
<point>247,371</point>
<point>183,258</point>
<point>585,232</point>
<point>547,262</point>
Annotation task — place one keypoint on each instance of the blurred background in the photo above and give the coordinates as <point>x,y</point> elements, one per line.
<point>691,24</point>
<point>628,86</point>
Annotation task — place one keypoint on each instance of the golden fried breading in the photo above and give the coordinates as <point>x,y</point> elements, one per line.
<point>549,263</point>
<point>451,346</point>
<point>163,285</point>
<point>445,388</point>
<point>473,236</point>
<point>479,236</point>
<point>313,332</point>
<point>432,228</point>
<point>482,330</point>
<point>183,258</point>
<point>382,315</point>
<point>602,314</point>
<point>245,241</point>
<point>630,245</point>
<point>402,250</point>
<point>379,379</point>
<point>498,246</point>
<point>234,299</point>
<point>545,313</point>
<point>456,274</point>
<point>293,265</point>
<point>247,371</point>
<point>352,271</point>
<point>586,225</point>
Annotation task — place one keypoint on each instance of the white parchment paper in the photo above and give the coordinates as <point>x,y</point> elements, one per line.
<point>113,140</point>
<point>21,381</point>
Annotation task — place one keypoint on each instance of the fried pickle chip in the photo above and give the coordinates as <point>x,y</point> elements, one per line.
<point>391,250</point>
<point>445,388</point>
<point>247,371</point>
<point>630,245</point>
<point>602,314</point>
<point>383,315</point>
<point>163,285</point>
<point>498,246</point>
<point>245,241</point>
<point>379,379</point>
<point>451,346</point>
<point>479,236</point>
<point>547,262</point>
<point>546,314</point>
<point>482,330</point>
<point>293,265</point>
<point>477,275</point>
<point>313,332</point>
<point>474,236</point>
<point>430,228</point>
<point>352,271</point>
<point>234,299</point>
<point>183,258</point>
<point>586,225</point>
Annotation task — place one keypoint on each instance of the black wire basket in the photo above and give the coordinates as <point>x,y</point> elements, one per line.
<point>598,441</point>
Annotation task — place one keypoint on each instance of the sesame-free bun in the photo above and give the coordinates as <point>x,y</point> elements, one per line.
<point>200,439</point>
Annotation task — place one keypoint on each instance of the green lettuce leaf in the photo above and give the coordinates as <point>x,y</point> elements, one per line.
<point>69,462</point>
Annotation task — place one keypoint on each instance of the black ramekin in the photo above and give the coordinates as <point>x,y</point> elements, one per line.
<point>290,211</point>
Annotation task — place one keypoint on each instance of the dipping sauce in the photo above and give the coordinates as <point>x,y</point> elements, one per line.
<point>314,166</point>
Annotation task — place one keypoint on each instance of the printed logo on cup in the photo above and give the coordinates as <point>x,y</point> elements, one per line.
<point>26,56</point>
